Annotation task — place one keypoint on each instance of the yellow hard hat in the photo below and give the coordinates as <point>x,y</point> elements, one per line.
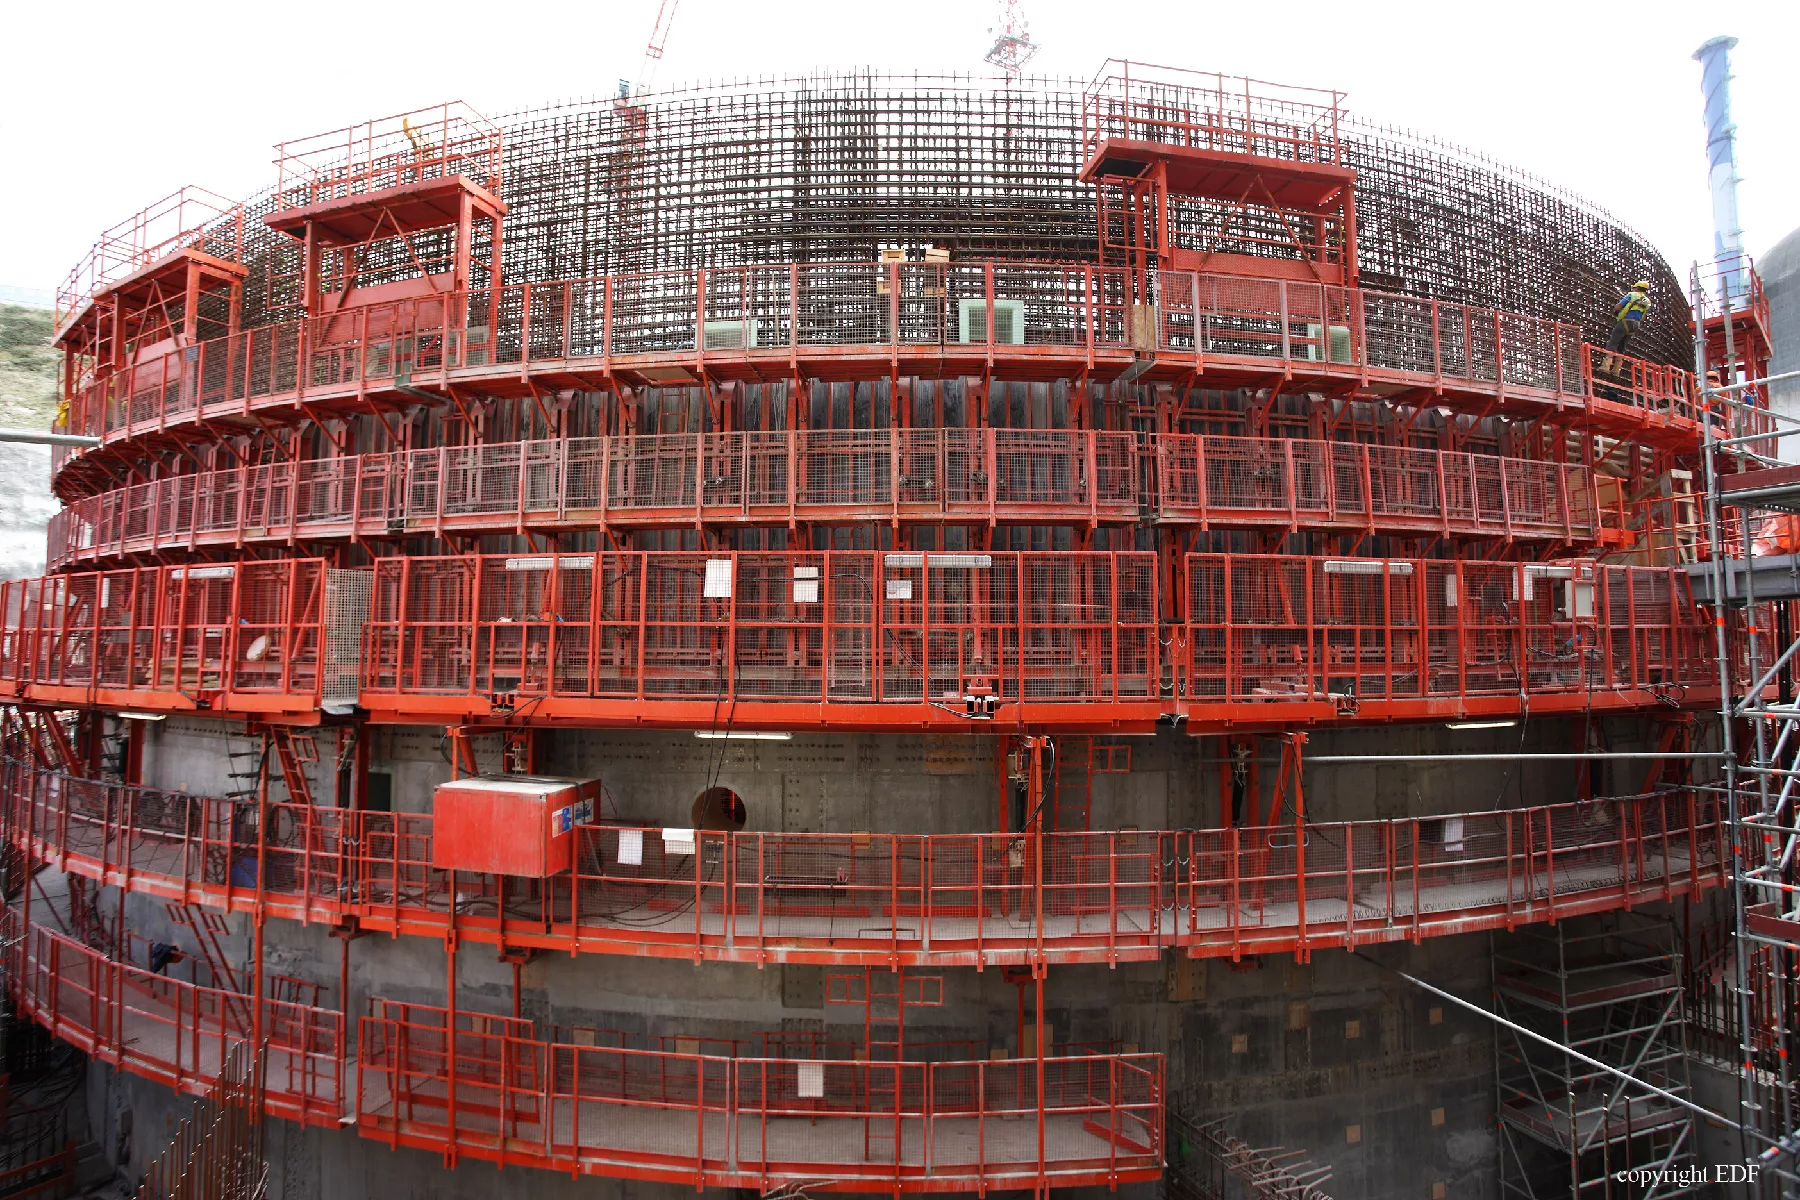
<point>1642,285</point>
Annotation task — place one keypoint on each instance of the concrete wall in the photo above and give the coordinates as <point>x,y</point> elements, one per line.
<point>934,784</point>
<point>1780,270</point>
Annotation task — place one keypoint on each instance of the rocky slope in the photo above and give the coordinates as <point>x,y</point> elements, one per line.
<point>27,401</point>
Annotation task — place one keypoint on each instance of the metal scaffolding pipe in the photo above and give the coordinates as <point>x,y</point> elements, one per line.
<point>45,438</point>
<point>1573,756</point>
<point>1577,1055</point>
<point>1766,678</point>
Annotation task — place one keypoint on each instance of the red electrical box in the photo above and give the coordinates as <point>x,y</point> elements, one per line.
<point>510,824</point>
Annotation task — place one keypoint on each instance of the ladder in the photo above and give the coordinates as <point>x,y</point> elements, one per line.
<point>44,737</point>
<point>293,751</point>
<point>1673,522</point>
<point>885,996</point>
<point>208,927</point>
<point>1684,516</point>
<point>86,921</point>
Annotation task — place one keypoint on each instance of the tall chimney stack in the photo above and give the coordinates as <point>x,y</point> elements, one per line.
<point>1721,156</point>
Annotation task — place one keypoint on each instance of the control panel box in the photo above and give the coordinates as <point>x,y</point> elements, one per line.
<point>510,824</point>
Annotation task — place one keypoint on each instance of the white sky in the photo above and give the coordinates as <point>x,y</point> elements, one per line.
<point>106,107</point>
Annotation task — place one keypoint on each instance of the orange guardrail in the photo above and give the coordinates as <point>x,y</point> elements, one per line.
<point>485,1088</point>
<point>834,320</point>
<point>189,216</point>
<point>874,898</point>
<point>253,632</point>
<point>711,1120</point>
<point>1265,628</point>
<point>912,476</point>
<point>174,1032</point>
<point>854,638</point>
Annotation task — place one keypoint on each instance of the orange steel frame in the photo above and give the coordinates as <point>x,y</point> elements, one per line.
<point>388,180</point>
<point>946,900</point>
<point>1150,140</point>
<point>166,254</point>
<point>393,354</point>
<point>300,437</point>
<point>1750,344</point>
<point>893,477</point>
<point>1069,641</point>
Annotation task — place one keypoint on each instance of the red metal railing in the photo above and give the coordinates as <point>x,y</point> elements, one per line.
<point>728,1121</point>
<point>170,1031</point>
<point>54,1173</point>
<point>439,142</point>
<point>1350,882</point>
<point>1227,480</point>
<point>252,629</point>
<point>597,636</point>
<point>1263,628</point>
<point>1737,279</point>
<point>1645,386</point>
<point>1207,110</point>
<point>775,477</point>
<point>851,626</point>
<point>870,898</point>
<point>191,216</point>
<point>491,1091</point>
<point>952,314</point>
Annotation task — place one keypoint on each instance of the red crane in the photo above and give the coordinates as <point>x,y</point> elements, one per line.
<point>653,49</point>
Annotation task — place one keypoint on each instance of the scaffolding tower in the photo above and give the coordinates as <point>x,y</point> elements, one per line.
<point>1752,576</point>
<point>1613,994</point>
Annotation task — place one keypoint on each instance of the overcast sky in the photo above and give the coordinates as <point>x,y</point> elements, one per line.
<point>105,107</point>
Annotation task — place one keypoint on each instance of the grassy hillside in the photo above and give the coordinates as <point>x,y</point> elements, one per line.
<point>27,368</point>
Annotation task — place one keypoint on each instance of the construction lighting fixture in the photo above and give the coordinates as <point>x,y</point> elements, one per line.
<point>545,562</point>
<point>1481,725</point>
<point>734,735</point>
<point>1366,566</point>
<point>141,716</point>
<point>973,562</point>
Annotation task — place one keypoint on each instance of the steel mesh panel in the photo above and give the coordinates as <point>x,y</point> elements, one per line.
<point>193,636</point>
<point>1040,467</point>
<point>844,467</point>
<point>1271,617</point>
<point>127,602</point>
<point>481,479</point>
<point>347,610</point>
<point>436,651</point>
<point>685,632</point>
<point>1488,611</point>
<point>276,635</point>
<point>583,475</point>
<point>651,471</point>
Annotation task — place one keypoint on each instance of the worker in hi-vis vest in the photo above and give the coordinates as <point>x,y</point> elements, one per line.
<point>1626,318</point>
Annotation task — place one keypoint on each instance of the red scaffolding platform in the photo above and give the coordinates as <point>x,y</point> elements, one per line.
<point>1265,156</point>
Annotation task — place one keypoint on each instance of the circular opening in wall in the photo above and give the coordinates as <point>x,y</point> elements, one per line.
<point>719,808</point>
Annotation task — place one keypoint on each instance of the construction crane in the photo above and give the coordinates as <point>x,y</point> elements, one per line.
<point>1012,47</point>
<point>653,51</point>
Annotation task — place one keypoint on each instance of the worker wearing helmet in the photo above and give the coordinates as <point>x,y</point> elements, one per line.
<point>1628,314</point>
